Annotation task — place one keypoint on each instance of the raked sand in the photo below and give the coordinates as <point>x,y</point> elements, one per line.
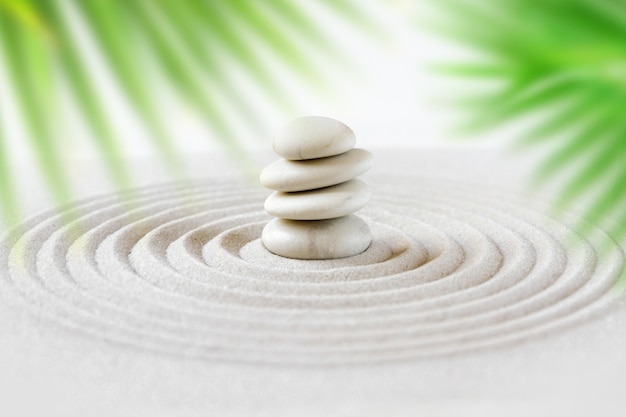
<point>470,300</point>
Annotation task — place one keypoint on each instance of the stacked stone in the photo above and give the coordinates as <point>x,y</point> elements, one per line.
<point>316,191</point>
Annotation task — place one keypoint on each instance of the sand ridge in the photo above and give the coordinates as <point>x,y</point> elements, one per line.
<point>179,269</point>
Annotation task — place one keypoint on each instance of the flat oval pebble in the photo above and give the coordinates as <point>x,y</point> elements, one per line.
<point>323,203</point>
<point>313,137</point>
<point>290,176</point>
<point>317,239</point>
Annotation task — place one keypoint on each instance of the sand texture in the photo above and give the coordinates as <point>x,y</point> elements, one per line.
<point>465,280</point>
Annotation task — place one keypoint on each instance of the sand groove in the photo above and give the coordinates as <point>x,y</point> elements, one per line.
<point>181,270</point>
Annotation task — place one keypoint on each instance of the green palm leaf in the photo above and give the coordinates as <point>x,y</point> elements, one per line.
<point>189,45</point>
<point>561,66</point>
<point>30,72</point>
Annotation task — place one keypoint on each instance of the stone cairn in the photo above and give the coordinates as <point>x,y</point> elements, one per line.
<point>316,191</point>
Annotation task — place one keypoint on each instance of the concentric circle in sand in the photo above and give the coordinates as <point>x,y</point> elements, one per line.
<point>181,270</point>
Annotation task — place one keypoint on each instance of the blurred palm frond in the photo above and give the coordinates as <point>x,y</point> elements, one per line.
<point>192,45</point>
<point>560,66</point>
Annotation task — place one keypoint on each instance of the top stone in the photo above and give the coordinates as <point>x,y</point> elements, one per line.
<point>312,137</point>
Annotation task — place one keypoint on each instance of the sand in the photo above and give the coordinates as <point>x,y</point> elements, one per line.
<point>467,285</point>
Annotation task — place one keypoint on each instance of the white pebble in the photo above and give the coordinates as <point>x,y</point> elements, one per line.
<point>323,203</point>
<point>289,176</point>
<point>313,137</point>
<point>317,239</point>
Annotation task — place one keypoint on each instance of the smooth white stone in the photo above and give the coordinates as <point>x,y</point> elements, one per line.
<point>323,203</point>
<point>290,176</point>
<point>313,137</point>
<point>317,239</point>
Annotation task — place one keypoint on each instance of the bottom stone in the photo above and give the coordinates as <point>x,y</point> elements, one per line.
<point>317,239</point>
